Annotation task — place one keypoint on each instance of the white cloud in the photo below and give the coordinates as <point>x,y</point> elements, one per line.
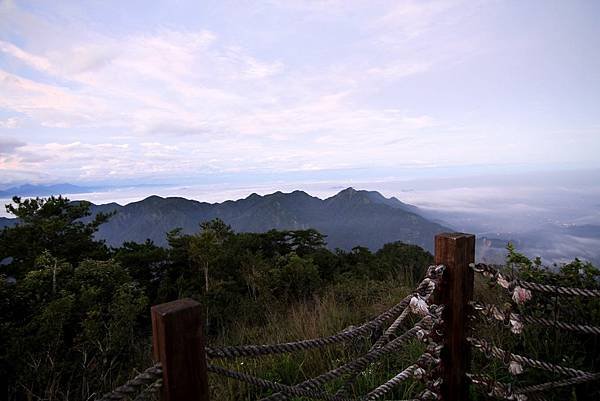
<point>49,105</point>
<point>412,18</point>
<point>189,84</point>
<point>9,145</point>
<point>9,123</point>
<point>197,99</point>
<point>399,70</point>
<point>36,62</point>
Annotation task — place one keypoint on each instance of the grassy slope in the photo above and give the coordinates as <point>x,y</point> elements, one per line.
<point>336,310</point>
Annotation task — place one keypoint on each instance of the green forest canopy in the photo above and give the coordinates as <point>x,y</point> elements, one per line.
<point>75,312</point>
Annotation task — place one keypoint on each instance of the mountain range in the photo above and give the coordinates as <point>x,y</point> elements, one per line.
<point>350,218</point>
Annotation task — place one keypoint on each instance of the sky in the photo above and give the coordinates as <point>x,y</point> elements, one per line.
<point>189,92</point>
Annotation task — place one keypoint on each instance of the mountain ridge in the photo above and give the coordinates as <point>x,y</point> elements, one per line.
<point>349,218</point>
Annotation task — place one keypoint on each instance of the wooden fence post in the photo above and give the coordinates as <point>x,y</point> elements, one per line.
<point>455,251</point>
<point>178,342</point>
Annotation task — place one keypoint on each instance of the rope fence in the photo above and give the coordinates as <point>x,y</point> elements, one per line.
<point>559,383</point>
<point>137,385</point>
<point>360,364</point>
<point>490,350</point>
<point>417,303</point>
<point>503,391</point>
<point>511,284</point>
<point>424,289</point>
<point>442,301</point>
<point>520,294</point>
<point>516,321</point>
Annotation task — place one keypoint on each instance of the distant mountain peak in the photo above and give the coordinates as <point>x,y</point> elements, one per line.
<point>371,197</point>
<point>350,218</point>
<point>351,193</point>
<point>346,193</point>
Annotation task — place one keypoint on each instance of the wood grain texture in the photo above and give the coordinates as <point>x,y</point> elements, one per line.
<point>178,344</point>
<point>455,251</point>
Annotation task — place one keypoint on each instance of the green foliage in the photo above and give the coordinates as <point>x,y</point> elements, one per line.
<point>404,260</point>
<point>75,317</point>
<point>75,314</point>
<point>92,320</point>
<point>54,224</point>
<point>294,278</point>
<point>546,343</point>
<point>145,264</point>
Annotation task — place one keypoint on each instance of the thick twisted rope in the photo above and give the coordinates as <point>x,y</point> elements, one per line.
<point>150,381</point>
<point>494,388</point>
<point>426,294</point>
<point>431,355</point>
<point>407,373</point>
<point>303,345</point>
<point>135,385</point>
<point>553,289</point>
<point>423,289</point>
<point>433,275</point>
<point>391,329</point>
<point>492,311</point>
<point>491,350</point>
<point>559,383</point>
<point>384,339</point>
<point>271,385</point>
<point>500,390</point>
<point>491,271</point>
<point>149,391</point>
<point>315,394</point>
<point>361,362</point>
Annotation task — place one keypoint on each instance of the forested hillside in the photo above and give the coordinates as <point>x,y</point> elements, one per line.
<point>75,311</point>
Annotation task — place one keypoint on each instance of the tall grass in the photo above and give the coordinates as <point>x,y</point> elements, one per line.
<point>334,310</point>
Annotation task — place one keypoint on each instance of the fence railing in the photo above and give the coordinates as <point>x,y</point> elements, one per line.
<point>444,303</point>
<point>521,293</point>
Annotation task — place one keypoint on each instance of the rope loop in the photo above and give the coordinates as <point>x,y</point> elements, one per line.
<point>492,351</point>
<point>520,288</point>
<point>517,321</point>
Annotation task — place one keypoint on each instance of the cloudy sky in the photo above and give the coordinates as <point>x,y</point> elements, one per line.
<point>138,92</point>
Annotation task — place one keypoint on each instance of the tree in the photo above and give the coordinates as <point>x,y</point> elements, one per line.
<point>50,224</point>
<point>295,278</point>
<point>66,325</point>
<point>405,261</point>
<point>306,241</point>
<point>146,264</point>
<point>207,244</point>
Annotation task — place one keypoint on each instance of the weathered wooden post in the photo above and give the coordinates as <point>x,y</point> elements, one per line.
<point>455,251</point>
<point>178,342</point>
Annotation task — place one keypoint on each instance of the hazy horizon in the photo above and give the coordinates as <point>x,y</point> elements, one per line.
<point>501,202</point>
